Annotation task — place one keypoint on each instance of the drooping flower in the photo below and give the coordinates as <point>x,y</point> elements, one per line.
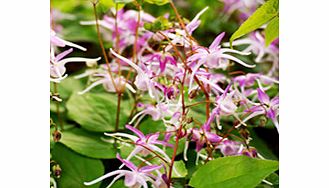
<point>180,37</point>
<point>249,152</point>
<point>57,64</point>
<point>162,59</point>
<point>256,45</point>
<point>57,41</point>
<point>144,143</point>
<point>102,76</point>
<point>135,177</point>
<point>143,81</point>
<point>267,106</point>
<point>127,21</point>
<point>202,136</point>
<point>249,79</point>
<point>230,147</point>
<point>214,57</point>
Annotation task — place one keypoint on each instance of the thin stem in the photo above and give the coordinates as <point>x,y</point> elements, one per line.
<point>181,23</point>
<point>146,160</point>
<point>178,132</point>
<point>117,39</point>
<point>135,58</point>
<point>150,150</point>
<point>190,70</point>
<point>117,120</point>
<point>136,33</point>
<point>174,155</point>
<point>102,47</point>
<point>197,103</point>
<point>57,110</point>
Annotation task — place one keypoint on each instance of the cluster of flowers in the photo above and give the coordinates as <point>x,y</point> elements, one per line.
<point>180,72</point>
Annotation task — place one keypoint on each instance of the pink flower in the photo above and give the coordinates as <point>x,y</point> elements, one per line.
<point>57,64</point>
<point>256,45</point>
<point>162,59</point>
<point>127,23</point>
<point>142,142</point>
<point>134,177</point>
<point>214,57</point>
<point>143,79</point>
<point>268,107</point>
<point>57,41</point>
<point>180,37</point>
<point>245,7</point>
<point>229,147</point>
<point>203,135</point>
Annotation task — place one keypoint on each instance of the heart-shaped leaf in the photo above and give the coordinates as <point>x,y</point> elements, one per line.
<point>234,171</point>
<point>88,143</point>
<point>76,169</point>
<point>97,111</point>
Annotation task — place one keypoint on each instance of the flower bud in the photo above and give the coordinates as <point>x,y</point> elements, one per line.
<point>244,132</point>
<point>57,136</point>
<point>251,152</point>
<point>57,170</point>
<point>193,94</point>
<point>165,179</point>
<point>189,120</point>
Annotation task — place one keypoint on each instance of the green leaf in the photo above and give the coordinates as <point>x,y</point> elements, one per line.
<point>107,4</point>
<point>68,86</point>
<point>160,24</point>
<point>97,111</point>
<point>118,184</point>
<point>157,2</point>
<point>235,171</point>
<point>148,126</point>
<point>180,168</point>
<point>88,144</point>
<point>272,30</point>
<point>76,169</point>
<point>261,16</point>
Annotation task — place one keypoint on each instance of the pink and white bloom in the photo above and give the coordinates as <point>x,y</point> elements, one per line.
<point>214,57</point>
<point>180,37</point>
<point>203,135</point>
<point>230,147</point>
<point>256,45</point>
<point>57,64</point>
<point>144,79</point>
<point>57,41</point>
<point>142,142</point>
<point>268,107</point>
<point>127,23</point>
<point>135,177</point>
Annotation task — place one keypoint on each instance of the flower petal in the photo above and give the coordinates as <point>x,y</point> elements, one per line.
<point>217,41</point>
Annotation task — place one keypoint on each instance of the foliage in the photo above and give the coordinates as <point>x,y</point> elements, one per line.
<point>150,95</point>
<point>269,12</point>
<point>239,171</point>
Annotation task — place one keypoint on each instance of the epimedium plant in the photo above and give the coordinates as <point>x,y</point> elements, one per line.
<point>153,106</point>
